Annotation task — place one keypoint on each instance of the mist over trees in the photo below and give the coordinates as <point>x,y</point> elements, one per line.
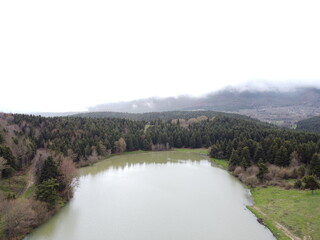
<point>229,99</point>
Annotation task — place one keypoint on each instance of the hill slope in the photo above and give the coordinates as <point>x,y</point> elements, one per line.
<point>282,108</point>
<point>168,115</point>
<point>309,125</point>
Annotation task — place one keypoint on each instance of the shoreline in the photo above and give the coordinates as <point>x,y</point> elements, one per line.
<point>279,231</point>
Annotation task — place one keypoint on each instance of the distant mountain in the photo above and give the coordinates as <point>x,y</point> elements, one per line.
<point>168,115</point>
<point>281,108</point>
<point>54,114</point>
<point>309,125</point>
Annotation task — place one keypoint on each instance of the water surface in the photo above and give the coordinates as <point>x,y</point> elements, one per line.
<point>158,196</point>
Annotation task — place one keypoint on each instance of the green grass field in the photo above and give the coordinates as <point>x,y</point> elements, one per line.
<point>15,185</point>
<point>192,150</point>
<point>221,162</point>
<point>297,210</point>
<point>135,152</point>
<point>29,192</point>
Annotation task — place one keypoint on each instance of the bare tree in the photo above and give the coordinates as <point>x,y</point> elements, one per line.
<point>69,176</point>
<point>93,158</point>
<point>18,217</point>
<point>295,159</point>
<point>120,145</point>
<point>21,215</point>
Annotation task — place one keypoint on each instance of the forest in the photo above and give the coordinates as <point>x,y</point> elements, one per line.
<point>150,116</point>
<point>244,141</point>
<point>53,147</point>
<point>309,124</point>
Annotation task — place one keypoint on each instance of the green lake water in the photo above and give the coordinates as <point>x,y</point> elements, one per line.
<point>155,196</point>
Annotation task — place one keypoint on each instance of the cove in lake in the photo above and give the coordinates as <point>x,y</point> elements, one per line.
<point>159,195</point>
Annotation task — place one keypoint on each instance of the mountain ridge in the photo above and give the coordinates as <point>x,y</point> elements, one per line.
<point>284,108</point>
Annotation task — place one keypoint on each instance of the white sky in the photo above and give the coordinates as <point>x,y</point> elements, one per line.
<point>66,55</point>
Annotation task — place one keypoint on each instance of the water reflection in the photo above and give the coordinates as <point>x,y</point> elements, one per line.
<point>164,195</point>
<point>121,162</point>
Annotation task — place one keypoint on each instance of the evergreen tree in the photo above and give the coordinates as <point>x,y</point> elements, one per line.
<point>245,157</point>
<point>311,183</point>
<point>49,170</point>
<point>192,141</point>
<point>262,170</point>
<point>208,142</point>
<point>258,155</point>
<point>178,142</point>
<point>315,165</point>
<point>234,159</point>
<point>47,192</point>
<point>282,158</point>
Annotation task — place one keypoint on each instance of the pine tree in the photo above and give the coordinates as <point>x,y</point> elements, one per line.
<point>245,157</point>
<point>178,142</point>
<point>311,183</point>
<point>208,142</point>
<point>47,192</point>
<point>49,170</point>
<point>234,159</point>
<point>262,170</point>
<point>315,165</point>
<point>258,154</point>
<point>282,158</point>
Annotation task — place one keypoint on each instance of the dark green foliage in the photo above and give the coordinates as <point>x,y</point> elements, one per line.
<point>6,153</point>
<point>49,170</point>
<point>7,172</point>
<point>1,139</point>
<point>250,140</point>
<point>315,165</point>
<point>262,170</point>
<point>208,142</point>
<point>282,157</point>
<point>298,184</point>
<point>154,116</point>
<point>309,125</point>
<point>10,196</point>
<point>47,192</point>
<point>146,144</point>
<point>245,157</point>
<point>311,183</point>
<point>258,155</point>
<point>178,142</point>
<point>234,159</point>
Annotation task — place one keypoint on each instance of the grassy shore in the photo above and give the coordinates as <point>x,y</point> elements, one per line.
<point>278,233</point>
<point>221,162</point>
<point>192,150</point>
<point>297,210</point>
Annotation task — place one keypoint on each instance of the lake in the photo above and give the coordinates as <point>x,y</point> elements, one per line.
<point>158,196</point>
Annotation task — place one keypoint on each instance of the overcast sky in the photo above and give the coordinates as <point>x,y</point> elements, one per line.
<point>66,55</point>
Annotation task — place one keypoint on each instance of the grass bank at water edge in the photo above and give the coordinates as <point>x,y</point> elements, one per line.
<point>296,210</point>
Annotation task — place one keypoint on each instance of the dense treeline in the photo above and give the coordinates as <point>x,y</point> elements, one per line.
<point>151,116</point>
<point>309,125</point>
<point>80,137</point>
<point>244,142</point>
